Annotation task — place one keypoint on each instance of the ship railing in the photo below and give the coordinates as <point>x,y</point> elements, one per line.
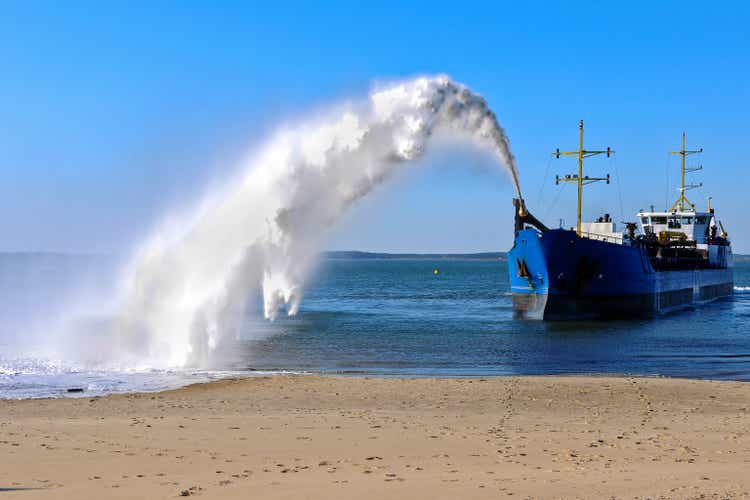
<point>603,237</point>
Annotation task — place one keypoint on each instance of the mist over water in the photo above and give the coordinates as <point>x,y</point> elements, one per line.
<point>195,281</point>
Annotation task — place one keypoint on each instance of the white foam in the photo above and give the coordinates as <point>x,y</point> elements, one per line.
<point>27,377</point>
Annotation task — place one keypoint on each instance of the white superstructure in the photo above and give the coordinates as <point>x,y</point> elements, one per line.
<point>603,229</point>
<point>696,226</point>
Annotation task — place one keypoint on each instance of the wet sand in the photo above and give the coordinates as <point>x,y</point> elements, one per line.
<point>341,438</point>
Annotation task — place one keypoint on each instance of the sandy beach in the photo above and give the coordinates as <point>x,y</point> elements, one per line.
<point>339,437</point>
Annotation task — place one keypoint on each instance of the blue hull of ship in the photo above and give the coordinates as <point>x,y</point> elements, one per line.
<point>557,275</point>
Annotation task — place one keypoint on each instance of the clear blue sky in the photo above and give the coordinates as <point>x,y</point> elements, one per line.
<point>112,113</point>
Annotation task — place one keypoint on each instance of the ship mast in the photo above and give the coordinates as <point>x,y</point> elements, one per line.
<point>579,178</point>
<point>682,200</point>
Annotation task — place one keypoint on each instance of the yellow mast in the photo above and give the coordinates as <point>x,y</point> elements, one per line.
<point>580,179</point>
<point>682,200</point>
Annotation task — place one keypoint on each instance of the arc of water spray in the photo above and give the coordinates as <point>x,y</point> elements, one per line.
<point>184,297</point>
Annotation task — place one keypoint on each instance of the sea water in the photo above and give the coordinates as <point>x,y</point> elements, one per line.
<point>385,318</point>
<point>397,318</point>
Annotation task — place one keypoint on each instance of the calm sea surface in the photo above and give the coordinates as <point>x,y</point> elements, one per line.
<point>395,318</point>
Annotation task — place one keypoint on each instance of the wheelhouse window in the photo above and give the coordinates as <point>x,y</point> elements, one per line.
<point>658,220</point>
<point>644,221</point>
<point>686,220</point>
<point>701,219</point>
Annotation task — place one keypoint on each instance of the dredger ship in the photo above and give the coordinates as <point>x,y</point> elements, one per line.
<point>664,261</point>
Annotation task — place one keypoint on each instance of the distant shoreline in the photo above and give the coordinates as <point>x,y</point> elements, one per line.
<point>331,255</point>
<point>479,256</point>
<point>357,255</point>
